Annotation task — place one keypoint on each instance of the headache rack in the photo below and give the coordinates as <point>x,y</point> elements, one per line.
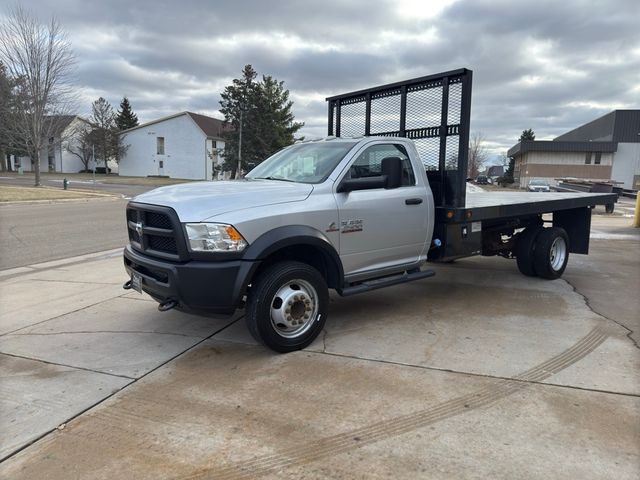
<point>434,111</point>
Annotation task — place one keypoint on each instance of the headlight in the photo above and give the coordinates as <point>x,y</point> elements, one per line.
<point>214,237</point>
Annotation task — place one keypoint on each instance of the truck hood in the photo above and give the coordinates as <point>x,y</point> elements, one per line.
<point>199,201</point>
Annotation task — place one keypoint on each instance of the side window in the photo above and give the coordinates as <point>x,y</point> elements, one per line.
<point>369,163</point>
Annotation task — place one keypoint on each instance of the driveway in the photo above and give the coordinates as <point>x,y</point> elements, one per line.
<point>478,372</point>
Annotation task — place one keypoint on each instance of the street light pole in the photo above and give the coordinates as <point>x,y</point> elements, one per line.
<point>239,170</point>
<point>93,155</point>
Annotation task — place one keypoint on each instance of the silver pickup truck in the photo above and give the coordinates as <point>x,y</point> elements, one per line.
<point>349,214</point>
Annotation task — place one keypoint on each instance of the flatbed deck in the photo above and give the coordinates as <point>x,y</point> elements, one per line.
<point>495,205</point>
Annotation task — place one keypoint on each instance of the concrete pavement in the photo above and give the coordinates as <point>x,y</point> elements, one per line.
<point>478,372</point>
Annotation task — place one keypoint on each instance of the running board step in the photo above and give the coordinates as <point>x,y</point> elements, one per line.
<point>386,282</point>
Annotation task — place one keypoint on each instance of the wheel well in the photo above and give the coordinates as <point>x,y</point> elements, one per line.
<point>316,257</point>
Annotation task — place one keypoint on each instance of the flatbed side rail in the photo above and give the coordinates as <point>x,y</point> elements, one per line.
<point>496,207</point>
<point>434,111</point>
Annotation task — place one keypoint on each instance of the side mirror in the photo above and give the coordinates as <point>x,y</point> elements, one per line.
<point>392,169</point>
<point>391,177</point>
<point>364,183</point>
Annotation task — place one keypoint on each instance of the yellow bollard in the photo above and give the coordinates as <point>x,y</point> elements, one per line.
<point>636,213</point>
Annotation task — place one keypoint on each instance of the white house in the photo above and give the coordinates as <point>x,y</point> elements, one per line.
<point>58,155</point>
<point>184,145</point>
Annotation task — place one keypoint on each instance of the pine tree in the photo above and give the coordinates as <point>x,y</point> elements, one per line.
<point>126,119</point>
<point>527,135</point>
<point>263,110</point>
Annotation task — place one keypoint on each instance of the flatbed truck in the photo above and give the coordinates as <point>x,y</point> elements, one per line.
<point>367,207</point>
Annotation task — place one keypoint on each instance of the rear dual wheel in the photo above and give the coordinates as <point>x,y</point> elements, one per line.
<point>542,252</point>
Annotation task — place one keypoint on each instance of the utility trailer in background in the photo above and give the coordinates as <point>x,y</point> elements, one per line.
<point>434,111</point>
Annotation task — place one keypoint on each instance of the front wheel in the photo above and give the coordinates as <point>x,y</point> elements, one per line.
<point>287,306</point>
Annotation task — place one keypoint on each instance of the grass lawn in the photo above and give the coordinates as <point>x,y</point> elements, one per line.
<point>20,194</point>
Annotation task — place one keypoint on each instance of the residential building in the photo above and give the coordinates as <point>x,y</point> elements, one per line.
<point>607,148</point>
<point>185,145</point>
<point>58,155</point>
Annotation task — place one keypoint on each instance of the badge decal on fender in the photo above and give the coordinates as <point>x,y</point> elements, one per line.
<point>350,226</point>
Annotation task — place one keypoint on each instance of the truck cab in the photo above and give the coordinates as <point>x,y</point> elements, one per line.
<point>350,209</point>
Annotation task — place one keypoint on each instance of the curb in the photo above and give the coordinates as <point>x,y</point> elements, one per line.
<point>65,200</point>
<point>37,267</point>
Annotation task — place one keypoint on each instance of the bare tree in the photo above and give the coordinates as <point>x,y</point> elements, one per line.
<point>477,155</point>
<point>81,142</point>
<point>109,144</point>
<point>41,57</point>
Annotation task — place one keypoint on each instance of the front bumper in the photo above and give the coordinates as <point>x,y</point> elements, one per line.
<point>197,286</point>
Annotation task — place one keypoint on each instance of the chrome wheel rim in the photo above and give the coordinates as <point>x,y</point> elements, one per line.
<point>558,253</point>
<point>294,308</point>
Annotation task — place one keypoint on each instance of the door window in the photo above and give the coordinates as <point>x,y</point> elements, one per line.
<point>369,163</point>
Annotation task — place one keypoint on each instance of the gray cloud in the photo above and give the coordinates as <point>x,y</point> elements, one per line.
<point>549,66</point>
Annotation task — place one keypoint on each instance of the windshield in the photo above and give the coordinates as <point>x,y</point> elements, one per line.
<point>538,182</point>
<point>303,163</point>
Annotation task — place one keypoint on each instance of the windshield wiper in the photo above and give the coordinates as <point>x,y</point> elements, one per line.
<point>274,178</point>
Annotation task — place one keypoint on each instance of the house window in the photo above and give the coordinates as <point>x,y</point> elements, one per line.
<point>598,158</point>
<point>587,159</point>
<point>161,164</point>
<point>160,145</point>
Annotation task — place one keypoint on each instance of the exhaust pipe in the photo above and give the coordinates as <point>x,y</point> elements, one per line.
<point>127,285</point>
<point>167,305</point>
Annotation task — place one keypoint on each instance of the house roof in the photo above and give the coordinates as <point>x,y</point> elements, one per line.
<point>615,126</point>
<point>56,124</point>
<point>211,127</point>
<point>600,135</point>
<point>559,146</point>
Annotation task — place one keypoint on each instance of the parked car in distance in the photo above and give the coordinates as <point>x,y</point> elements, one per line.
<point>482,180</point>
<point>98,170</point>
<point>538,186</point>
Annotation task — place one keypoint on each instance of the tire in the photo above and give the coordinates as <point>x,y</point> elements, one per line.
<point>287,306</point>
<point>551,253</point>
<point>524,249</point>
<point>609,207</point>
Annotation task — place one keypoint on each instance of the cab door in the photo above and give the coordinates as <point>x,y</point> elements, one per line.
<point>381,229</point>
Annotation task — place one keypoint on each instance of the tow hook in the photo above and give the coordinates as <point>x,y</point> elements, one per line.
<point>127,285</point>
<point>168,305</point>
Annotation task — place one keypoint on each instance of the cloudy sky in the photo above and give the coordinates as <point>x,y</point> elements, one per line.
<point>546,65</point>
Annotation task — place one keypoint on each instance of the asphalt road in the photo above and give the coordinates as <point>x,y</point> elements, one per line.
<point>34,233</point>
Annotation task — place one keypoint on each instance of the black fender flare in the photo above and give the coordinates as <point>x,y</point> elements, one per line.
<point>292,235</point>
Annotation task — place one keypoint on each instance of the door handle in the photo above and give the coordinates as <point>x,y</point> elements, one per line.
<point>413,201</point>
